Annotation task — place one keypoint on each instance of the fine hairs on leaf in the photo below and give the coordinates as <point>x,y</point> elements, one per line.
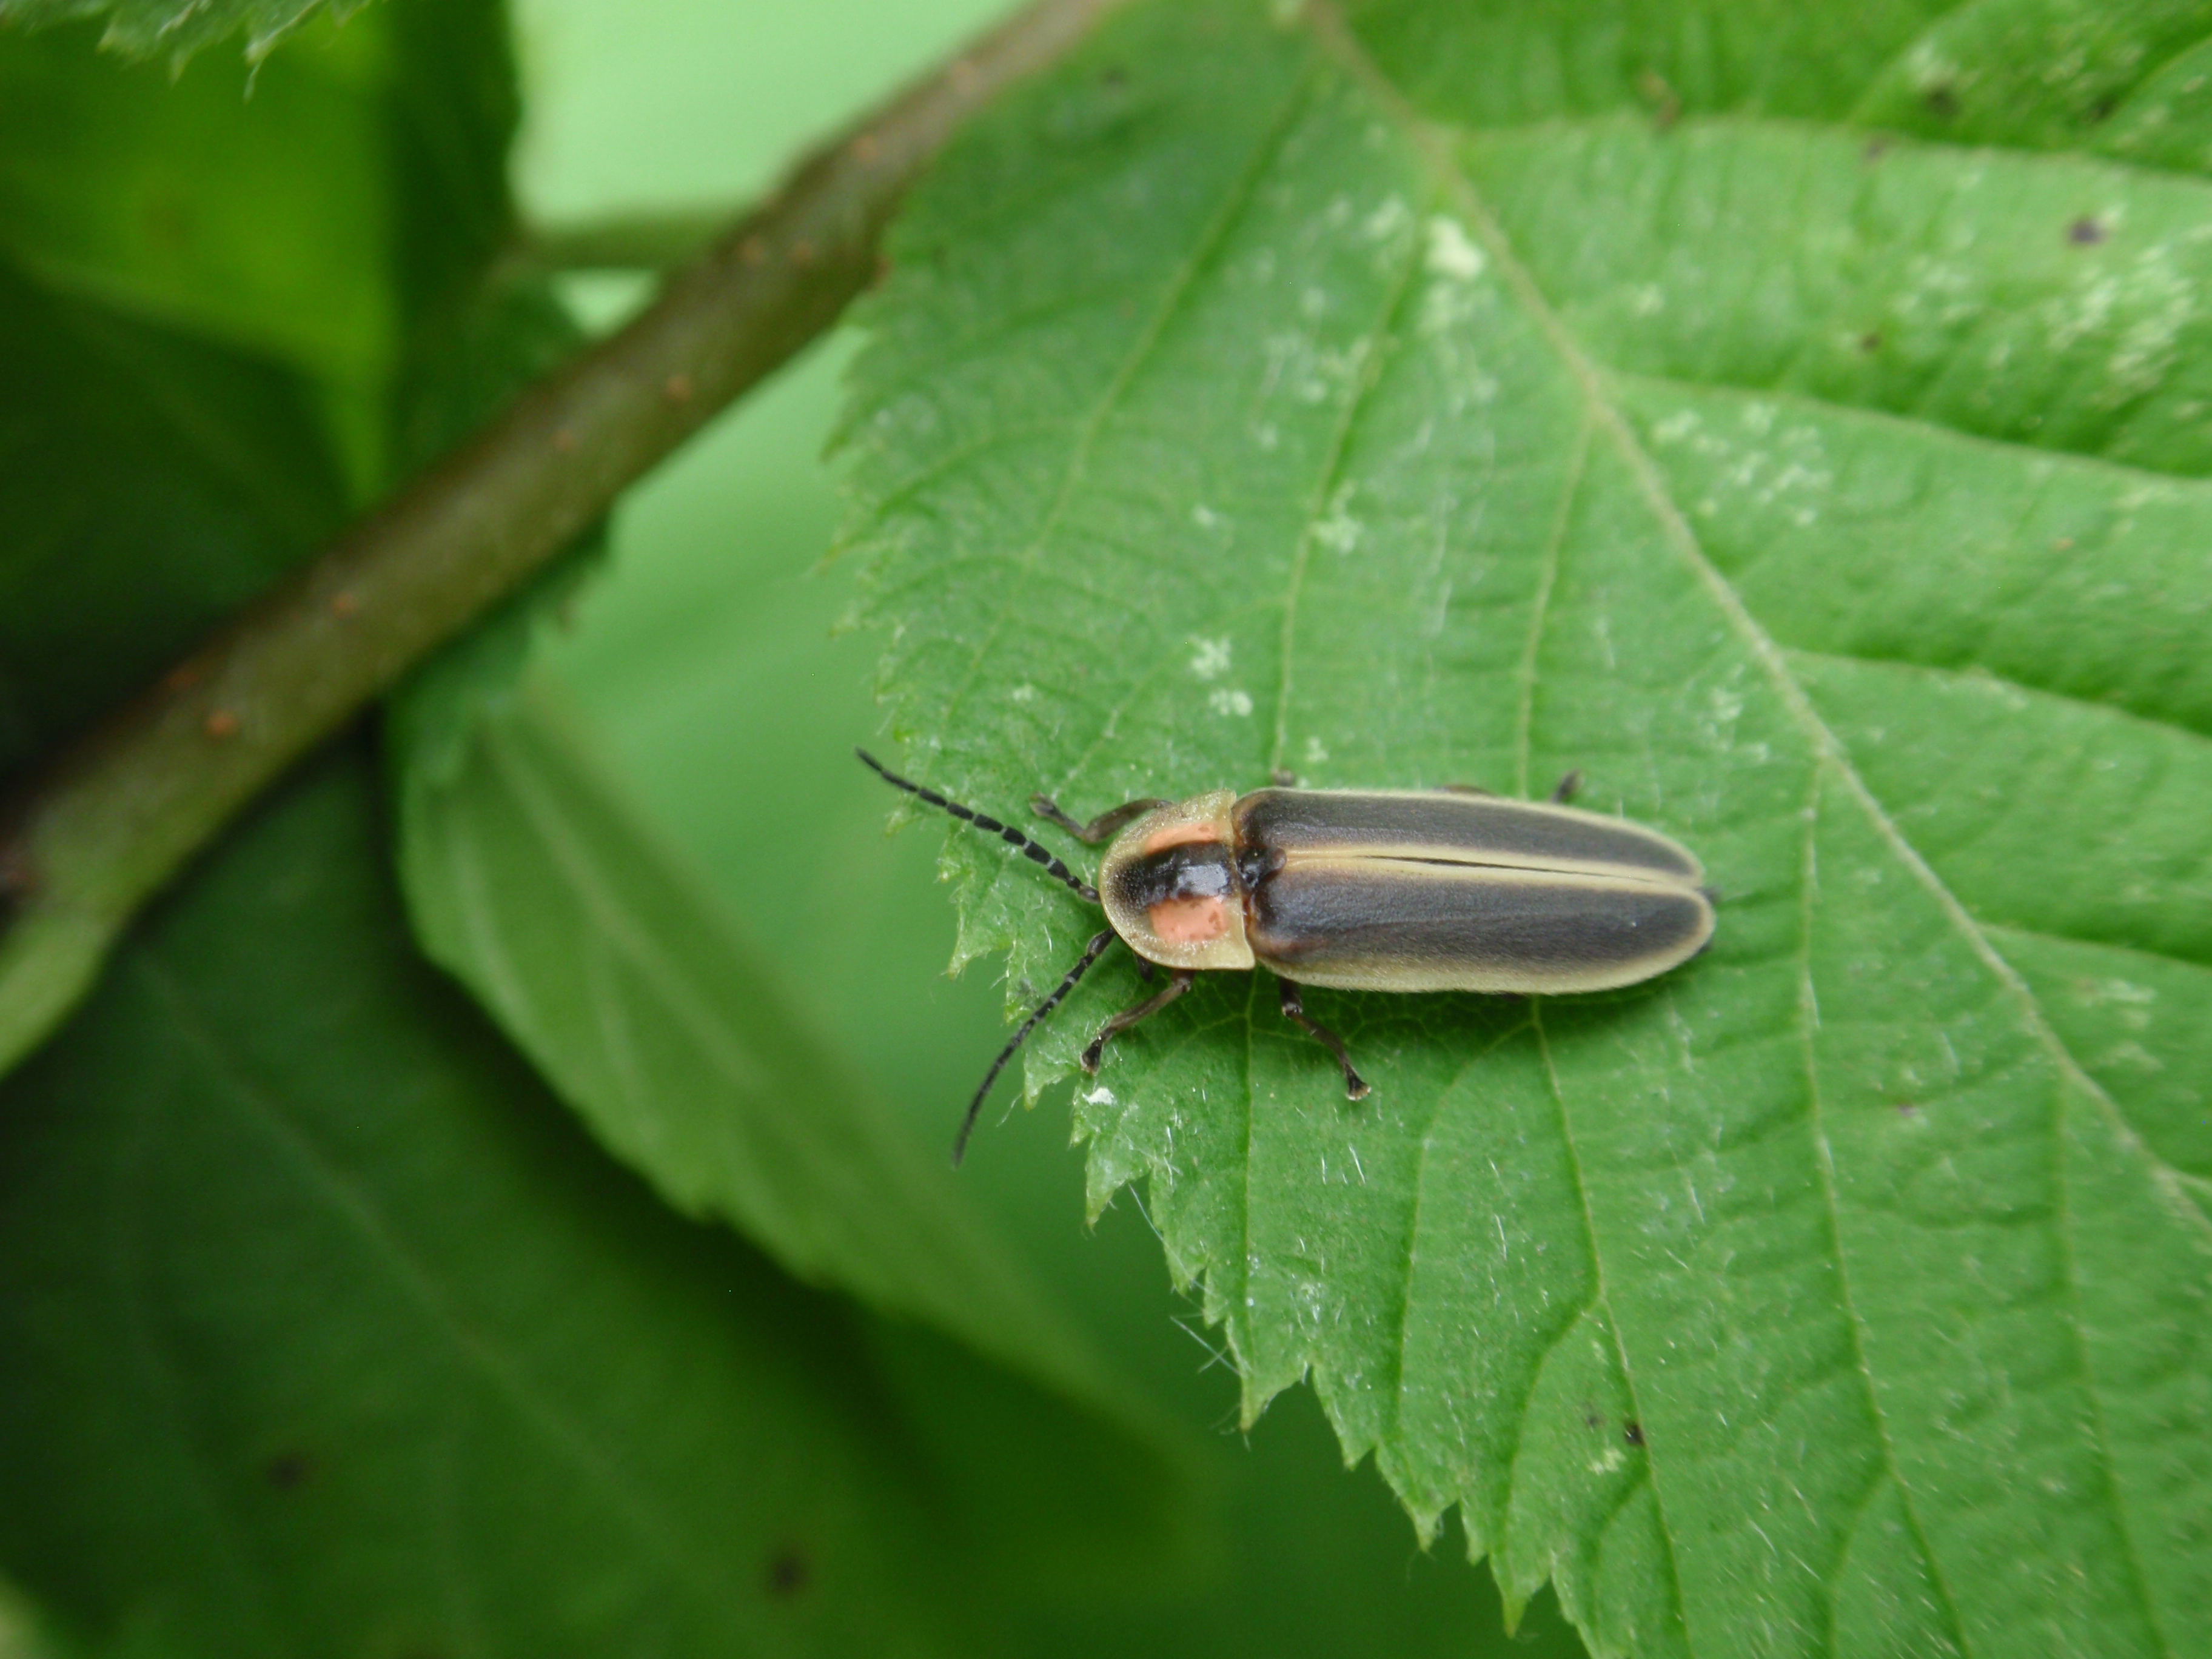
<point>177,29</point>
<point>1794,421</point>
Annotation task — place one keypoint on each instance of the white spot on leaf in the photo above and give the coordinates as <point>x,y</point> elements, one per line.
<point>1387,221</point>
<point>1451,251</point>
<point>1209,657</point>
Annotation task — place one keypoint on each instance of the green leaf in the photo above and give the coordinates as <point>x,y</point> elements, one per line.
<point>328,1331</point>
<point>264,222</point>
<point>326,211</point>
<point>178,28</point>
<point>1465,396</point>
<point>526,878</point>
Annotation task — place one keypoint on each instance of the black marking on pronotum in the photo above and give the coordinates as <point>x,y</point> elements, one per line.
<point>1378,890</point>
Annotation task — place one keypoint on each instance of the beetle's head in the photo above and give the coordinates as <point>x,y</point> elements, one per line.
<point>1170,887</point>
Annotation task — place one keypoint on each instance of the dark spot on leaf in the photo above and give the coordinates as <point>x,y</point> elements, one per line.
<point>1114,77</point>
<point>1632,1432</point>
<point>167,219</point>
<point>1943,100</point>
<point>290,1470</point>
<point>1869,342</point>
<point>1591,1419</point>
<point>1666,107</point>
<point>1875,149</point>
<point>2086,231</point>
<point>2103,108</point>
<point>1907,1109</point>
<point>789,1571</point>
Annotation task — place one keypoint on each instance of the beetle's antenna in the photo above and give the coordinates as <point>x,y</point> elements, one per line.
<point>1006,832</point>
<point>1091,952</point>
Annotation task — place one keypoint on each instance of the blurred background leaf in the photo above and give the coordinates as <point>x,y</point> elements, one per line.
<point>330,1332</point>
<point>609,968</point>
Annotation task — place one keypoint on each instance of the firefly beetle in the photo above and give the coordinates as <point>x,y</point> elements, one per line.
<point>1373,890</point>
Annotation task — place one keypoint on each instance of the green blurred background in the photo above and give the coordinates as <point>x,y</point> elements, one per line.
<point>707,665</point>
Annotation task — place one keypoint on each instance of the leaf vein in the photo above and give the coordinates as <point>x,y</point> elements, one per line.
<point>1180,283</point>
<point>1548,573</point>
<point>1808,1025</point>
<point>1603,1299</point>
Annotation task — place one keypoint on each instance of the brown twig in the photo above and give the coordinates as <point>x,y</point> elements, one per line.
<point>111,820</point>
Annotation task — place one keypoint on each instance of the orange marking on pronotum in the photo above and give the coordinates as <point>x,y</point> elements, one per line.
<point>1190,921</point>
<point>1180,835</point>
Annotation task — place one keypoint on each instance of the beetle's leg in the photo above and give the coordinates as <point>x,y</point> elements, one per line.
<point>1567,787</point>
<point>1294,1008</point>
<point>1144,970</point>
<point>1178,982</point>
<point>1101,828</point>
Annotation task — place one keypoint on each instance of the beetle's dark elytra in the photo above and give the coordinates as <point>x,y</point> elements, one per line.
<point>1353,922</point>
<point>1388,890</point>
<point>1454,828</point>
